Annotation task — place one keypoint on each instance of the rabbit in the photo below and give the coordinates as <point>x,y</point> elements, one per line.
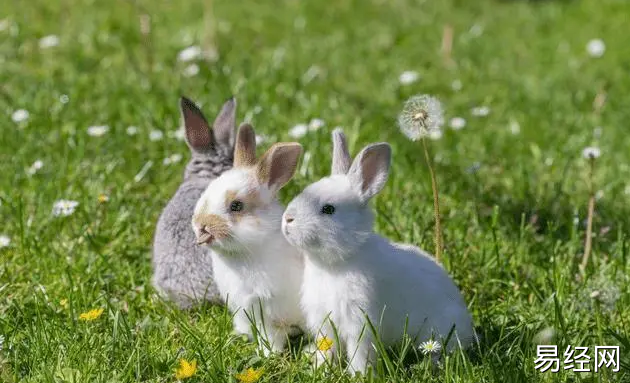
<point>350,272</point>
<point>182,272</point>
<point>238,219</point>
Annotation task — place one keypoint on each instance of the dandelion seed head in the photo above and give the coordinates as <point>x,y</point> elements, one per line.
<point>596,48</point>
<point>261,139</point>
<point>191,70</point>
<point>298,131</point>
<point>420,115</point>
<point>64,208</point>
<point>315,124</point>
<point>5,241</point>
<point>430,347</point>
<point>480,111</point>
<point>49,41</point>
<point>408,77</point>
<point>20,115</point>
<point>457,123</point>
<point>156,135</point>
<point>436,134</point>
<point>189,54</point>
<point>35,167</point>
<point>591,152</point>
<point>515,127</point>
<point>97,130</point>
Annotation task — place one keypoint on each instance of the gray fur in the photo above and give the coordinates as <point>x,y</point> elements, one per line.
<point>182,270</point>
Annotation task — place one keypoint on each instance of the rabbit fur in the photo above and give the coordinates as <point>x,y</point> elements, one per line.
<point>238,219</point>
<point>182,271</point>
<point>351,273</point>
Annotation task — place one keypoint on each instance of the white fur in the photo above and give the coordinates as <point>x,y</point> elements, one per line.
<point>255,269</point>
<point>351,272</point>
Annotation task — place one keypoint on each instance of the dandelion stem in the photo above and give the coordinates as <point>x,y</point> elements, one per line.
<point>436,202</point>
<point>589,222</point>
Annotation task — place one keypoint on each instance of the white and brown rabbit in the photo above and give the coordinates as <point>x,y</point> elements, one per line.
<point>182,271</point>
<point>238,218</point>
<point>351,273</point>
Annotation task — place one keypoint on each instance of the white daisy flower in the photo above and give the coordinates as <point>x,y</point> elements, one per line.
<point>515,127</point>
<point>97,130</point>
<point>172,159</point>
<point>179,134</point>
<point>421,114</point>
<point>408,77</point>
<point>591,152</point>
<point>20,115</point>
<point>261,139</point>
<point>596,48</point>
<point>35,167</point>
<point>49,41</point>
<point>298,131</point>
<point>430,347</point>
<point>480,111</point>
<point>436,134</point>
<point>191,70</point>
<point>5,241</point>
<point>132,130</point>
<point>189,54</point>
<point>457,123</point>
<point>156,135</point>
<point>457,85</point>
<point>64,208</point>
<point>64,99</point>
<point>315,124</point>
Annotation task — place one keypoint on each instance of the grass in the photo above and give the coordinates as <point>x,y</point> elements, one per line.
<point>513,203</point>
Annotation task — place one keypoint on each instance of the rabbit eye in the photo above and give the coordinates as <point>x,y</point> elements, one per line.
<point>328,209</point>
<point>236,205</point>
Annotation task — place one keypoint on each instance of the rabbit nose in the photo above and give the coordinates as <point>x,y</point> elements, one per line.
<point>288,218</point>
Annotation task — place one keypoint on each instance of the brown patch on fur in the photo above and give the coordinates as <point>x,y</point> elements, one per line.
<point>215,225</point>
<point>245,147</point>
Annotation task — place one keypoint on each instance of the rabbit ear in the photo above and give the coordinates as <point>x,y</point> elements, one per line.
<point>245,147</point>
<point>340,157</point>
<point>198,134</point>
<point>370,170</point>
<point>224,124</point>
<point>277,166</point>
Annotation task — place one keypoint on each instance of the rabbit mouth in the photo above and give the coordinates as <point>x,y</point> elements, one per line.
<point>205,237</point>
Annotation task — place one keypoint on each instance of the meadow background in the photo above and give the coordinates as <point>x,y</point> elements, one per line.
<point>527,78</point>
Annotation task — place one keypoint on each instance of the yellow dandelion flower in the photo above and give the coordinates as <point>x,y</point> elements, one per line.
<point>102,198</point>
<point>250,375</point>
<point>91,315</point>
<point>63,303</point>
<point>186,369</point>
<point>324,344</point>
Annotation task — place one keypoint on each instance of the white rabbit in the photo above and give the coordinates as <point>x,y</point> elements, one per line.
<point>350,272</point>
<point>256,271</point>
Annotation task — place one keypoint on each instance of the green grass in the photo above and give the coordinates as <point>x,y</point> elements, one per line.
<point>514,205</point>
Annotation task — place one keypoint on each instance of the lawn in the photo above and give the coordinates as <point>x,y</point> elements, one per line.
<point>514,184</point>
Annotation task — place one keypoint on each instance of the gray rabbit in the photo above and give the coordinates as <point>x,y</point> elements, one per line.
<point>182,270</point>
